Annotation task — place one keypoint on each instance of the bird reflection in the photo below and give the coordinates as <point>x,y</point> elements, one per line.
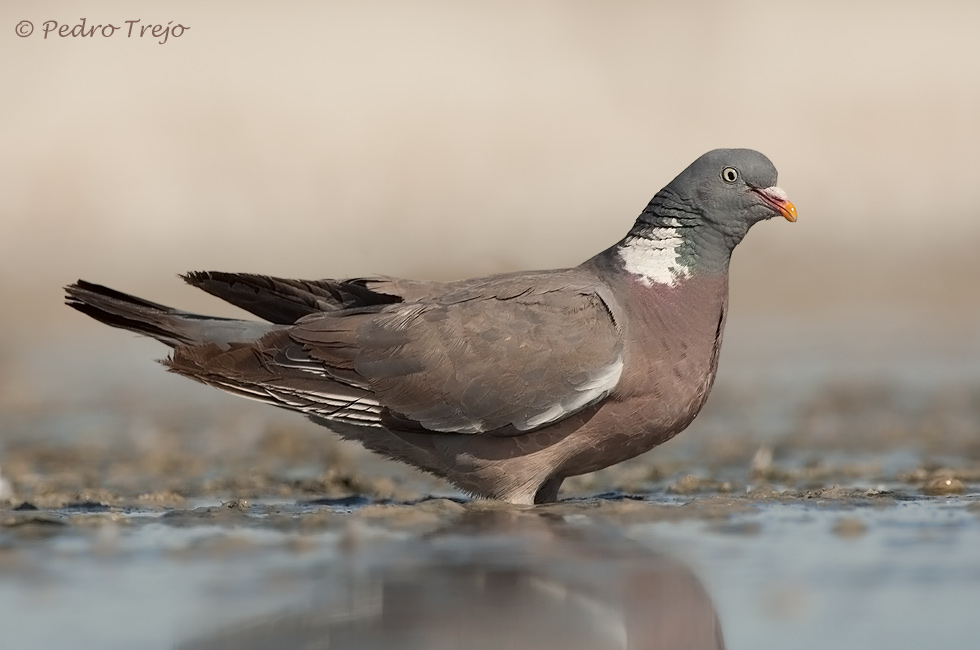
<point>497,579</point>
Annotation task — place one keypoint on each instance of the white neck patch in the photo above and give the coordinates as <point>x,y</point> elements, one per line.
<point>655,259</point>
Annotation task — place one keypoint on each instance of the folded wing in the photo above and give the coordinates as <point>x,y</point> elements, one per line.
<point>508,355</point>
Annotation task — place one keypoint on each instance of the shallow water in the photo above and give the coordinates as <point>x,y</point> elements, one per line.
<point>610,573</point>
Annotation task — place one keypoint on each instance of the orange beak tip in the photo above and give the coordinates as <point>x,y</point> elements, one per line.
<point>789,211</point>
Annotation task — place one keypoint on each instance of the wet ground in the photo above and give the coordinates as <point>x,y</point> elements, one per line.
<point>819,501</point>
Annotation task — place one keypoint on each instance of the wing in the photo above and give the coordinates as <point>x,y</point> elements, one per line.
<point>284,301</point>
<point>507,354</point>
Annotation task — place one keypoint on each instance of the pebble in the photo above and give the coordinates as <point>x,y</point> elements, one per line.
<point>942,485</point>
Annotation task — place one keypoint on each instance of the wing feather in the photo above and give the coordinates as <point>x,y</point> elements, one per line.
<point>509,356</point>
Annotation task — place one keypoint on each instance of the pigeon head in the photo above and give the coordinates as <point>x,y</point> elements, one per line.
<point>696,221</point>
<point>732,189</point>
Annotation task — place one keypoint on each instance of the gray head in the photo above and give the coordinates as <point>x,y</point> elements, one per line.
<point>700,216</point>
<point>730,189</point>
<point>733,188</point>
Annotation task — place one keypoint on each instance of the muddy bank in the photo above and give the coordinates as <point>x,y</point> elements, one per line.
<point>173,469</point>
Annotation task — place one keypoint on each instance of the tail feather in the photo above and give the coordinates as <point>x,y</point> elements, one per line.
<point>245,358</point>
<point>251,371</point>
<point>165,324</point>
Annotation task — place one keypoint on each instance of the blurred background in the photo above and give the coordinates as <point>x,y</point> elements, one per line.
<point>438,139</point>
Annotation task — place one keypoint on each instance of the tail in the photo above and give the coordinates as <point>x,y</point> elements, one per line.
<point>246,358</point>
<point>165,324</point>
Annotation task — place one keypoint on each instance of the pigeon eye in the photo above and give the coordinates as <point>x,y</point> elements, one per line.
<point>729,174</point>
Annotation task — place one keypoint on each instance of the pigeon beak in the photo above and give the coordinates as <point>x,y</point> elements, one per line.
<point>788,210</point>
<point>776,198</point>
